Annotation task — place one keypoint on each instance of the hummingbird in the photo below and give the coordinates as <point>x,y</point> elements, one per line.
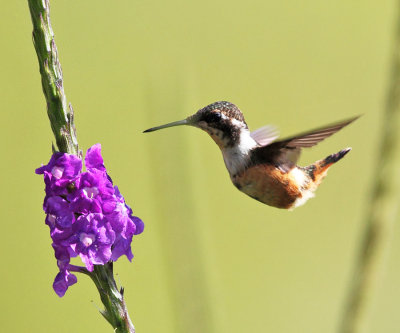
<point>259,165</point>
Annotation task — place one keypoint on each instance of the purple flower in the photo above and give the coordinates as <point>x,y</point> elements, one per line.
<point>93,159</point>
<point>92,239</point>
<point>58,213</point>
<point>139,225</point>
<point>61,166</point>
<point>86,214</point>
<point>137,222</point>
<point>62,255</point>
<point>91,190</point>
<point>62,281</point>
<point>122,246</point>
<point>60,173</point>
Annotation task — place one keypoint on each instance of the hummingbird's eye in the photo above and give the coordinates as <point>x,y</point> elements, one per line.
<point>217,115</point>
<point>214,117</point>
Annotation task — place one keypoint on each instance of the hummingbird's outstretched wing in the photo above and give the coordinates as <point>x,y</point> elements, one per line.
<point>265,135</point>
<point>313,137</point>
<point>285,153</point>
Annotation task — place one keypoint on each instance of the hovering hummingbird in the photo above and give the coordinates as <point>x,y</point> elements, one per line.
<point>258,165</point>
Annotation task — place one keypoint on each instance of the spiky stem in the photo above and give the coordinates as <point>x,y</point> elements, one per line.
<point>115,312</point>
<point>62,123</point>
<point>60,114</point>
<point>382,210</point>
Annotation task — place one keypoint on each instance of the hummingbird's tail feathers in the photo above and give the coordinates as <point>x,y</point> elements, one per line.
<point>319,169</point>
<point>328,161</point>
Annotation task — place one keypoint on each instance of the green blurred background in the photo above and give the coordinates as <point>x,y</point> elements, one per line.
<point>210,259</point>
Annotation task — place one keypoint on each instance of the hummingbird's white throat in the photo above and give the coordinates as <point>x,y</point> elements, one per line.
<point>237,157</point>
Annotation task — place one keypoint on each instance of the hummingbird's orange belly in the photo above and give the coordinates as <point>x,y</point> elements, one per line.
<point>268,184</point>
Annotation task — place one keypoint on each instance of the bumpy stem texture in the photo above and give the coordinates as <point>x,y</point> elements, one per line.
<point>62,123</point>
<point>382,211</point>
<point>60,114</point>
<point>116,312</point>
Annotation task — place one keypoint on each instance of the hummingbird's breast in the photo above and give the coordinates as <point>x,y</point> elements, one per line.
<point>270,185</point>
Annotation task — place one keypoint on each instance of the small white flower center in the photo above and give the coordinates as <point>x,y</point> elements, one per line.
<point>57,172</point>
<point>52,219</point>
<point>121,208</point>
<point>90,192</point>
<point>87,239</point>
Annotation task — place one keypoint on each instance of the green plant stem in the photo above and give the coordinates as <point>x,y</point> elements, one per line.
<point>115,312</point>
<point>61,116</point>
<point>382,211</point>
<point>62,123</point>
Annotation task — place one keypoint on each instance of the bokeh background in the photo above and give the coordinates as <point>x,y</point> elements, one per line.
<point>210,259</point>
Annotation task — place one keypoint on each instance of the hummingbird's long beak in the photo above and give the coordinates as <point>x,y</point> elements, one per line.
<point>175,123</point>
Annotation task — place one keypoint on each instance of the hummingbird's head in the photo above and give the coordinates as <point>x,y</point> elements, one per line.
<point>223,121</point>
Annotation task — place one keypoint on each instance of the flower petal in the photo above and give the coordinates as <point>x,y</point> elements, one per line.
<point>62,281</point>
<point>93,159</point>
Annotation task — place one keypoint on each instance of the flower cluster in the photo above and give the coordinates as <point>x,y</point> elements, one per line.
<point>86,213</point>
